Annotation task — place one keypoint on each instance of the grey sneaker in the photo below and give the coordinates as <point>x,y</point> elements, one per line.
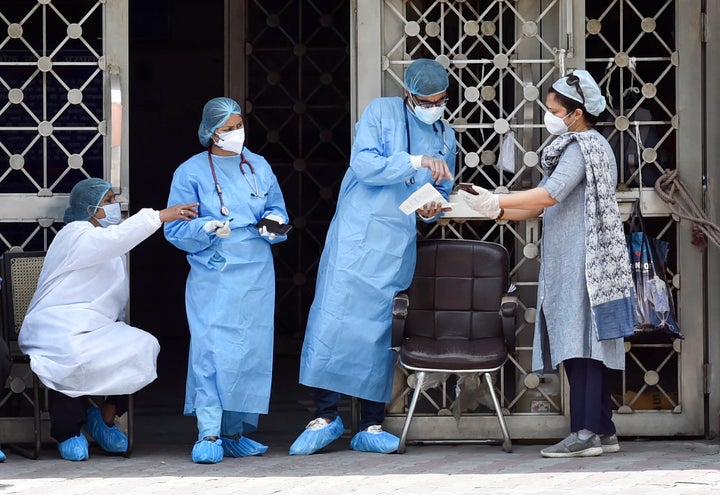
<point>609,443</point>
<point>572,446</point>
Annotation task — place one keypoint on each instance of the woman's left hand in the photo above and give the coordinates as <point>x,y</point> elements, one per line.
<point>484,202</point>
<point>186,212</point>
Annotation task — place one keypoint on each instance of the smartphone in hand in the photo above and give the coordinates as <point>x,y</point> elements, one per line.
<point>467,187</point>
<point>274,227</point>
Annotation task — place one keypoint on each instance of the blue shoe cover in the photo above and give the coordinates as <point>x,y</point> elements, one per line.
<point>74,448</point>
<point>317,434</point>
<point>207,452</point>
<point>2,456</point>
<point>375,440</point>
<point>109,438</point>
<point>242,447</point>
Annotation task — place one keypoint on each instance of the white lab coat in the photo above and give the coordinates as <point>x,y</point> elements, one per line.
<point>72,332</point>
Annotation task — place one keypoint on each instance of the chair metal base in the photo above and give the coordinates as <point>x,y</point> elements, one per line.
<point>420,380</point>
<point>34,452</point>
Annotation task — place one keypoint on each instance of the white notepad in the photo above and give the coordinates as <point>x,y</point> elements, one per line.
<point>426,194</point>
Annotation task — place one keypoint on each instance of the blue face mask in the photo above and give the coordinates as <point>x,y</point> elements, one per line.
<point>113,215</point>
<point>429,115</point>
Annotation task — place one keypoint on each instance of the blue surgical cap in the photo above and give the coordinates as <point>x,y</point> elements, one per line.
<point>425,77</point>
<point>592,99</point>
<point>215,113</point>
<point>85,197</point>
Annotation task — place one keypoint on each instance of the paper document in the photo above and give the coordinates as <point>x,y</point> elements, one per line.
<point>426,194</point>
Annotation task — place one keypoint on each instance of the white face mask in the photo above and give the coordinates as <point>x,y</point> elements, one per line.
<point>232,141</point>
<point>556,125</point>
<point>113,215</point>
<point>429,115</point>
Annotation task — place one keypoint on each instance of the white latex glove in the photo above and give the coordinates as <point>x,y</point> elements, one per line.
<point>211,226</point>
<point>224,230</point>
<point>277,218</point>
<point>484,202</point>
<point>264,232</point>
<point>218,228</point>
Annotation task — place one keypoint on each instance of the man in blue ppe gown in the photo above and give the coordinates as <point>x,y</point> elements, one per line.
<point>230,291</point>
<point>400,144</point>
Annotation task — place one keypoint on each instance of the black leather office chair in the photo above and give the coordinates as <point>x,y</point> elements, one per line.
<point>456,317</point>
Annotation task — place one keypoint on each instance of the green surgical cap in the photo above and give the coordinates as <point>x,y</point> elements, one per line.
<point>215,113</point>
<point>425,77</point>
<point>85,195</point>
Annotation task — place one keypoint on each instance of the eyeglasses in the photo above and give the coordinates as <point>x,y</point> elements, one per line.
<point>574,81</point>
<point>430,103</point>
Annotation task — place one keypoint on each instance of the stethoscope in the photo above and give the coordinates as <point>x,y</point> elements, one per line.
<point>407,134</point>
<point>224,210</point>
<point>435,128</point>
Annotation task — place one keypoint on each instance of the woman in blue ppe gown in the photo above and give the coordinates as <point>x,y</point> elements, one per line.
<point>230,290</point>
<point>369,256</point>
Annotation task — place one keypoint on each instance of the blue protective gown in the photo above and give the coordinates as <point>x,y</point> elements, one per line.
<point>230,291</point>
<point>369,254</point>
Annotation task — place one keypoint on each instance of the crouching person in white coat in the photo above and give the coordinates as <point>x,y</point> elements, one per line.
<point>74,332</point>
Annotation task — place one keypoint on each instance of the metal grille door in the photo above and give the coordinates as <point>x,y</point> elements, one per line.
<point>502,55</point>
<point>55,127</point>
<point>297,67</point>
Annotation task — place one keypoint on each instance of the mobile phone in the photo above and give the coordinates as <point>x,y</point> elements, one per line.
<point>467,187</point>
<point>274,227</point>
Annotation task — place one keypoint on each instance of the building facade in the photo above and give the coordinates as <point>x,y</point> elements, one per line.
<point>113,89</point>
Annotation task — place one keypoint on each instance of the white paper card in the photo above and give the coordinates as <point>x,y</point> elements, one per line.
<point>426,194</point>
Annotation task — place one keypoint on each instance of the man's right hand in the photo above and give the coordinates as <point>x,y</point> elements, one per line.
<point>438,168</point>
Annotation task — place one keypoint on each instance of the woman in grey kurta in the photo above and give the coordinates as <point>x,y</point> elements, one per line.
<point>585,295</point>
<point>563,329</point>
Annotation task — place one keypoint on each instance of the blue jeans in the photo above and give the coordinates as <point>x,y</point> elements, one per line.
<point>326,402</point>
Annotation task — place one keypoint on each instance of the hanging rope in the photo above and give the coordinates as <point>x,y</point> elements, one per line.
<point>672,192</point>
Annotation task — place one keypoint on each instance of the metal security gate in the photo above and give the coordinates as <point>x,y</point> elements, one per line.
<point>288,62</point>
<point>502,55</point>
<point>62,119</point>
<point>61,111</point>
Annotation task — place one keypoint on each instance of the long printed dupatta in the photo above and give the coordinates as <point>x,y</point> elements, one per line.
<point>607,264</point>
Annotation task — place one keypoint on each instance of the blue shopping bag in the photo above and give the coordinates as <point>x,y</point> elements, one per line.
<point>654,306</point>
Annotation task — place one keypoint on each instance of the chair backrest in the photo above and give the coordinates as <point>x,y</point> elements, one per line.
<point>20,272</point>
<point>457,289</point>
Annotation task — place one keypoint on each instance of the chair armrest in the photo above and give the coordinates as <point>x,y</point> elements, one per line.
<point>508,305</point>
<point>508,308</point>
<point>399,312</point>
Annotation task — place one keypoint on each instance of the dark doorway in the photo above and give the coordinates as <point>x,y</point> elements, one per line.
<point>176,64</point>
